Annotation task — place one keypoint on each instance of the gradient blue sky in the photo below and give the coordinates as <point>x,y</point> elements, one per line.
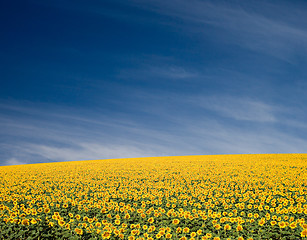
<point>115,79</point>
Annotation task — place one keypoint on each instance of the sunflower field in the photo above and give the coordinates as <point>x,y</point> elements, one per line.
<point>242,197</point>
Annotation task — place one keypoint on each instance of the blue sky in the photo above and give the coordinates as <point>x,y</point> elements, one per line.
<point>115,79</point>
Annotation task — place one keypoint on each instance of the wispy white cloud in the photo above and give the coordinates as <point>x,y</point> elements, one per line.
<point>91,150</point>
<point>171,72</point>
<point>271,31</point>
<point>62,134</point>
<point>13,161</point>
<point>236,140</point>
<point>243,109</point>
<point>157,68</point>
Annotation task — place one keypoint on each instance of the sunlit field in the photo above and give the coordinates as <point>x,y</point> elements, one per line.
<point>195,197</point>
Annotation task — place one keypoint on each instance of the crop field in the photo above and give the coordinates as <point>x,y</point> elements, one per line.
<point>256,196</point>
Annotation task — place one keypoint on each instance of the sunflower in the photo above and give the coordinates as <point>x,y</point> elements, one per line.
<point>46,210</point>
<point>273,223</point>
<point>304,233</point>
<point>33,221</point>
<point>227,227</point>
<point>193,234</point>
<point>106,235</point>
<point>292,225</point>
<point>208,235</point>
<point>98,224</point>
<point>217,226</point>
<point>79,231</point>
<point>282,224</point>
<point>239,228</point>
<point>261,222</point>
<point>176,221</point>
<point>25,222</point>
<point>134,232</point>
<point>168,235</point>
<point>61,223</point>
